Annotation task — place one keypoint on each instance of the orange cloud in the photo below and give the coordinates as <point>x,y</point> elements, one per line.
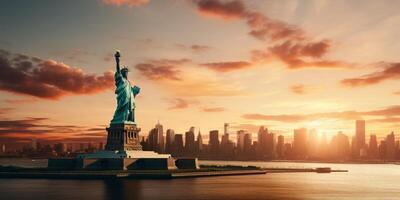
<point>228,10</point>
<point>391,71</point>
<point>345,115</point>
<point>227,66</point>
<point>125,2</point>
<point>196,48</point>
<point>290,44</point>
<point>302,89</point>
<point>179,103</point>
<point>161,69</point>
<point>21,74</point>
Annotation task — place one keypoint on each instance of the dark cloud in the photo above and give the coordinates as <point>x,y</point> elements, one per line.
<point>224,10</point>
<point>387,113</point>
<point>227,66</point>
<point>162,69</point>
<point>390,71</point>
<point>48,79</point>
<point>213,109</point>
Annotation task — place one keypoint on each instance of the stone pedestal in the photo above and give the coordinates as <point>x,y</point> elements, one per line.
<point>123,137</point>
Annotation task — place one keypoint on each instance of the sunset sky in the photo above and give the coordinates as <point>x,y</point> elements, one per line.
<point>282,64</point>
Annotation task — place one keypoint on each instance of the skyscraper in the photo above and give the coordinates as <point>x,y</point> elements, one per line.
<point>300,143</point>
<point>178,145</point>
<point>360,137</point>
<point>189,142</point>
<point>240,140</point>
<point>247,141</point>
<point>199,143</point>
<point>373,147</point>
<point>170,135</point>
<point>280,147</point>
<point>390,147</point>
<point>340,146</point>
<point>214,142</point>
<point>160,137</point>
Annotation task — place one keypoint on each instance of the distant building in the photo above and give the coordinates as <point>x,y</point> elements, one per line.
<point>169,142</point>
<point>214,143</point>
<point>300,143</point>
<point>280,147</point>
<point>340,146</point>
<point>240,140</point>
<point>178,145</point>
<point>160,138</point>
<point>390,153</point>
<point>189,142</point>
<point>199,143</point>
<point>313,143</point>
<point>247,142</point>
<point>373,151</point>
<point>360,138</point>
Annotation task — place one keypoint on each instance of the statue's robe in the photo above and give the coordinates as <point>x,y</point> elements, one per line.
<point>126,94</point>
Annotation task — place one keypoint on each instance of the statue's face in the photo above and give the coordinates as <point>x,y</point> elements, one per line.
<point>125,73</point>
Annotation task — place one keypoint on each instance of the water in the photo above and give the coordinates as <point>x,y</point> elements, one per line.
<point>363,181</point>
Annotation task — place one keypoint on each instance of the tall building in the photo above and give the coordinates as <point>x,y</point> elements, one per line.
<point>390,147</point>
<point>226,127</point>
<point>214,142</point>
<point>178,145</point>
<point>160,138</point>
<point>300,143</point>
<point>199,143</point>
<point>360,137</point>
<point>280,147</point>
<point>262,137</point>
<point>247,141</point>
<point>340,146</point>
<point>225,137</point>
<point>240,140</point>
<point>189,142</point>
<point>312,143</point>
<point>169,140</point>
<point>373,151</point>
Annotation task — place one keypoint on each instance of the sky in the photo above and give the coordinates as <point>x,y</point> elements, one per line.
<point>282,64</point>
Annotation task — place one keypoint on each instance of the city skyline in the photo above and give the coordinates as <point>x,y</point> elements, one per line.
<point>200,63</point>
<point>305,145</point>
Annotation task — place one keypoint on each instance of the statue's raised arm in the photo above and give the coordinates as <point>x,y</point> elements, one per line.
<point>117,55</point>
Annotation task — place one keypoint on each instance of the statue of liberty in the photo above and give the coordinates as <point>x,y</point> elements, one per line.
<point>125,112</point>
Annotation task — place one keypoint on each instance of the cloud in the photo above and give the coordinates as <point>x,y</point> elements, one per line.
<point>390,71</point>
<point>15,130</point>
<point>302,89</point>
<point>287,43</point>
<point>175,77</point>
<point>228,10</point>
<point>48,79</point>
<point>179,103</point>
<point>129,3</point>
<point>345,115</point>
<point>213,109</point>
<point>396,93</point>
<point>227,66</point>
<point>162,69</point>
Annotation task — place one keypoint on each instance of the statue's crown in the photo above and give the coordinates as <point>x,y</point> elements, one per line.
<point>124,69</point>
